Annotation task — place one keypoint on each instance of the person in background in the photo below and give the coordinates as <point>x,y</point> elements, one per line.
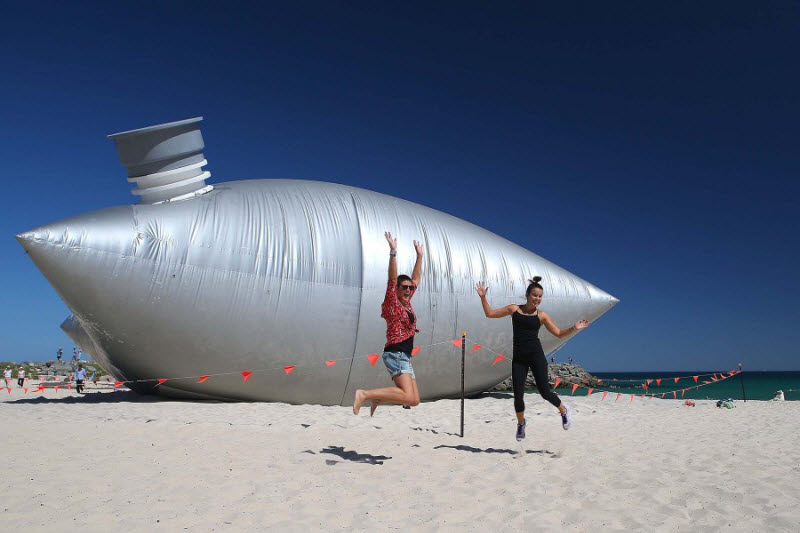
<point>59,354</point>
<point>80,376</point>
<point>21,376</point>
<point>7,376</point>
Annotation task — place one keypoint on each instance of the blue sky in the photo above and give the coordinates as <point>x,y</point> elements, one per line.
<point>650,149</point>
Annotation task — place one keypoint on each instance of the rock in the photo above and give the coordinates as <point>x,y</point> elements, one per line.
<point>569,375</point>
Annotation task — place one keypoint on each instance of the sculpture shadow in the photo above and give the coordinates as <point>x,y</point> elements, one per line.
<point>353,456</point>
<point>471,449</point>
<point>93,398</point>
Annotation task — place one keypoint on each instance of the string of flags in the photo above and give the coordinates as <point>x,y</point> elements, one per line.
<point>373,358</point>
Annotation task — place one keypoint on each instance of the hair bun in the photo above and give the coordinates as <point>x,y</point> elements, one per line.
<point>536,279</point>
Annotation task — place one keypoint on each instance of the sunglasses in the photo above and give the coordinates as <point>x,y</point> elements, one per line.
<point>408,287</point>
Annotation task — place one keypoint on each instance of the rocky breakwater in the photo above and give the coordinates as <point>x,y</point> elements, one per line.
<point>567,374</point>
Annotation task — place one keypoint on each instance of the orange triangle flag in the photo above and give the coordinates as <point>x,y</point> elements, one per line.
<point>605,393</point>
<point>475,347</point>
<point>676,379</point>
<point>558,380</point>
<point>118,384</point>
<point>246,375</point>
<point>658,382</point>
<point>618,395</point>
<point>372,358</point>
<point>498,359</point>
<point>714,377</point>
<point>649,381</point>
<point>589,392</point>
<point>683,391</point>
<point>574,387</point>
<point>26,390</point>
<point>695,379</point>
<point>415,351</point>
<point>160,381</point>
<point>631,397</point>
<point>674,394</point>
<point>331,362</point>
<point>288,369</point>
<point>56,387</point>
<point>456,342</point>
<point>203,378</point>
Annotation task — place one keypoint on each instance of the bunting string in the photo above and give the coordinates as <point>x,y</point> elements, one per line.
<point>474,347</point>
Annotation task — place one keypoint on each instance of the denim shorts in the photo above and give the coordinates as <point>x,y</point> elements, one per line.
<point>398,363</point>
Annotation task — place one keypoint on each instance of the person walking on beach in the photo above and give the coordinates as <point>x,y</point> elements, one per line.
<point>7,377</point>
<point>21,376</point>
<point>526,319</point>
<point>401,326</point>
<point>80,376</point>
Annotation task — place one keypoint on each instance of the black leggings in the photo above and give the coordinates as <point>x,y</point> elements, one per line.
<point>519,371</point>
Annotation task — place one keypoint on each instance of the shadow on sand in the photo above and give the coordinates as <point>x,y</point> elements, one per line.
<point>463,448</point>
<point>121,396</point>
<point>353,456</point>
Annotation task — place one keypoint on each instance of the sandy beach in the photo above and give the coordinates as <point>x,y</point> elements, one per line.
<point>136,463</point>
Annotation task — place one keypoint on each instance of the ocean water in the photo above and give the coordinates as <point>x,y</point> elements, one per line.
<point>757,385</point>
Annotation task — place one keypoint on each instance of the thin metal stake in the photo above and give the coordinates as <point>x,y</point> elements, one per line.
<point>741,378</point>
<point>463,358</point>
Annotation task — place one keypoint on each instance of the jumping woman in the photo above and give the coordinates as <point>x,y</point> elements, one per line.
<point>401,326</point>
<point>526,320</point>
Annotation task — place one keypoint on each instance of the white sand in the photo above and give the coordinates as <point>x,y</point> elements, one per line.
<point>132,463</point>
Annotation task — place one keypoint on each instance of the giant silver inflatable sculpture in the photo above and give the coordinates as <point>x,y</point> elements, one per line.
<point>257,275</point>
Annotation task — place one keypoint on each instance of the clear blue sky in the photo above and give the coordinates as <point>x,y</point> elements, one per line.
<point>652,149</point>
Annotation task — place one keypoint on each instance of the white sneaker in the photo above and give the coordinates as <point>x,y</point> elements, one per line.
<point>566,418</point>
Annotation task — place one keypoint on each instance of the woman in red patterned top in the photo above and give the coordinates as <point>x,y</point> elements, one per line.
<point>401,325</point>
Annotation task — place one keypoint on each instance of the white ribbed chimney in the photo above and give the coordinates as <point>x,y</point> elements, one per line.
<point>164,161</point>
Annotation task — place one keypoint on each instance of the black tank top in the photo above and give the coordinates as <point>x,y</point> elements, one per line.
<point>526,336</point>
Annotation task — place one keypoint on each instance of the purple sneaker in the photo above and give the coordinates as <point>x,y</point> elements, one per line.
<point>521,429</point>
<point>566,418</point>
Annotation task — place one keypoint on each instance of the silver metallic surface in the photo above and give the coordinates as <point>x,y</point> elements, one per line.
<point>258,275</point>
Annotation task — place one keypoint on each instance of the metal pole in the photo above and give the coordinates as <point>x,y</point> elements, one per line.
<point>741,378</point>
<point>463,358</point>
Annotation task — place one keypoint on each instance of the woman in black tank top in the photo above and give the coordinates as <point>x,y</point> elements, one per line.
<point>526,319</point>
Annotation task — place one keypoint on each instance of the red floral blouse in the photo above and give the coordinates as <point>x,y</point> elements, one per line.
<point>398,325</point>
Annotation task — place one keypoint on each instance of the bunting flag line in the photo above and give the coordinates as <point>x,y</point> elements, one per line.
<point>246,375</point>
<point>498,359</point>
<point>558,380</point>
<point>475,347</point>
<point>415,351</point>
<point>456,343</point>
<point>330,363</point>
<point>605,393</point>
<point>372,358</point>
<point>203,378</point>
<point>288,369</point>
<point>573,389</point>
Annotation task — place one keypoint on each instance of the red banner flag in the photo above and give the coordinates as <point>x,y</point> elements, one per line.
<point>118,384</point>
<point>589,392</point>
<point>573,388</point>
<point>372,358</point>
<point>288,369</point>
<point>246,375</point>
<point>618,395</point>
<point>415,351</point>
<point>456,342</point>
<point>658,382</point>
<point>330,363</point>
<point>695,379</point>
<point>558,380</point>
<point>498,359</point>
<point>674,395</point>
<point>676,379</point>
<point>160,381</point>
<point>475,347</point>
<point>203,378</point>
<point>605,393</point>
